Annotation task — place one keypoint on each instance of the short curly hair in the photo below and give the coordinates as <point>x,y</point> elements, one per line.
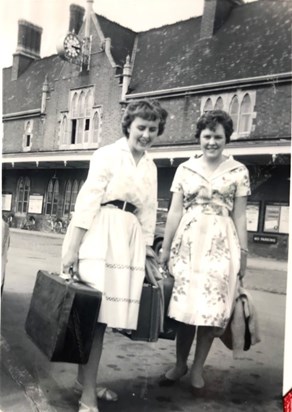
<point>211,119</point>
<point>147,109</point>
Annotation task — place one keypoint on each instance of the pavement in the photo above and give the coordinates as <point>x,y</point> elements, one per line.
<point>133,368</point>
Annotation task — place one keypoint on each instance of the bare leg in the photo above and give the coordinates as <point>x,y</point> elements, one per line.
<point>184,341</point>
<point>88,372</point>
<point>205,337</point>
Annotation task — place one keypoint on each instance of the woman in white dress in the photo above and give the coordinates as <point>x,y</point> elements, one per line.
<point>112,228</point>
<point>205,244</point>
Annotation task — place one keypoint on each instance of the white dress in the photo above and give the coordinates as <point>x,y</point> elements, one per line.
<point>205,253</point>
<point>112,253</point>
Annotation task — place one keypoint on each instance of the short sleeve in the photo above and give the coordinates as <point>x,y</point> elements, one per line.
<point>243,182</point>
<point>176,185</point>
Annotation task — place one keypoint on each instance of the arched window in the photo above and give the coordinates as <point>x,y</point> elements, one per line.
<point>52,198</point>
<point>245,114</point>
<point>208,105</point>
<point>67,198</point>
<point>219,103</point>
<point>88,103</point>
<point>234,107</point>
<point>23,189</point>
<point>81,104</point>
<point>74,110</point>
<point>96,127</point>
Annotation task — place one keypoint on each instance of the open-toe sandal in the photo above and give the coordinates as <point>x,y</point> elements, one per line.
<point>102,392</point>
<point>85,408</point>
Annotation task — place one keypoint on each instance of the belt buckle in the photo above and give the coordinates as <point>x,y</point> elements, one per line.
<point>124,206</point>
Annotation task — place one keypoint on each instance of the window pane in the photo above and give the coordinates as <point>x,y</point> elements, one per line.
<point>81,105</point>
<point>74,109</point>
<point>245,115</point>
<point>67,198</point>
<point>73,132</point>
<point>234,107</point>
<point>80,127</point>
<point>219,104</point>
<point>88,103</point>
<point>208,105</point>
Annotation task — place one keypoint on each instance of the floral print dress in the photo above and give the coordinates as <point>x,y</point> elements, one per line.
<point>205,252</point>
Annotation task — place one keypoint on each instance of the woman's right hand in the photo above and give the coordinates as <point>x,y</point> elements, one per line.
<point>164,258</point>
<point>70,262</point>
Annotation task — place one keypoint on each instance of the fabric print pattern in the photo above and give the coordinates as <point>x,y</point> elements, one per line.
<point>205,253</point>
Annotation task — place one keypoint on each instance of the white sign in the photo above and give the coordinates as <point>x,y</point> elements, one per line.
<point>35,204</point>
<point>252,217</point>
<point>6,201</point>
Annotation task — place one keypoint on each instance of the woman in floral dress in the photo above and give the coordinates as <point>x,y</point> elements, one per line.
<point>205,244</point>
<point>113,227</point>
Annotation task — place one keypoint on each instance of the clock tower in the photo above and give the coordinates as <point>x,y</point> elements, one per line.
<point>74,48</point>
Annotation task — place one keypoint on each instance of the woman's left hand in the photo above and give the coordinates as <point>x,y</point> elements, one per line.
<point>149,251</point>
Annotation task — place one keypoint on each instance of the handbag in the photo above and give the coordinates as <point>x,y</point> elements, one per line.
<point>242,330</point>
<point>62,317</point>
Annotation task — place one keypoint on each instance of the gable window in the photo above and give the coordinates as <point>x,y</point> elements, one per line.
<point>23,189</point>
<point>79,128</point>
<point>52,197</point>
<point>27,136</point>
<point>241,107</point>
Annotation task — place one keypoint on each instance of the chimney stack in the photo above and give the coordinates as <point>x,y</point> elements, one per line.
<point>215,14</point>
<point>76,18</point>
<point>28,47</point>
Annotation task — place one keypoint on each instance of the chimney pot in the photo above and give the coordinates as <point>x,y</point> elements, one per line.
<point>76,18</point>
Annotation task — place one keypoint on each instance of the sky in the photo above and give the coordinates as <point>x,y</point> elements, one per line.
<point>53,17</point>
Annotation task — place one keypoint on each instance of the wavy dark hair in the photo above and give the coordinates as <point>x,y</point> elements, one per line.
<point>211,119</point>
<point>147,109</point>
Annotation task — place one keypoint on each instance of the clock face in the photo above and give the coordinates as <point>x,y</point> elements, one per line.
<point>72,46</point>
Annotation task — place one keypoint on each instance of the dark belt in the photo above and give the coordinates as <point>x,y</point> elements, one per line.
<point>126,206</point>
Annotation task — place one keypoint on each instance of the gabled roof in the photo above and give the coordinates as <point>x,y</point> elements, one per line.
<point>254,41</point>
<point>25,93</point>
<point>122,39</point>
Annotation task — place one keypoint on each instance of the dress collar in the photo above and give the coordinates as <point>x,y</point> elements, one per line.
<point>228,165</point>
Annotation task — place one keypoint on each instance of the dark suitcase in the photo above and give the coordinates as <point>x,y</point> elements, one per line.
<point>62,317</point>
<point>148,318</point>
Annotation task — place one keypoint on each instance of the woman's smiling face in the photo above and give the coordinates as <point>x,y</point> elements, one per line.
<point>213,142</point>
<point>141,134</point>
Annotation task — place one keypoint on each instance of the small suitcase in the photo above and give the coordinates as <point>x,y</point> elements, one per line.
<point>62,317</point>
<point>148,318</point>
